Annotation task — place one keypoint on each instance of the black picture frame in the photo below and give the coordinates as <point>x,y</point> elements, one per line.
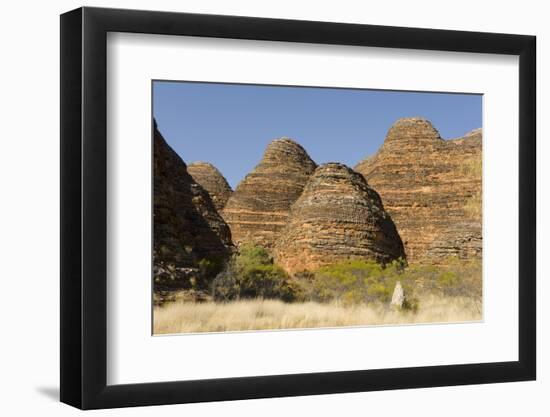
<point>84,207</point>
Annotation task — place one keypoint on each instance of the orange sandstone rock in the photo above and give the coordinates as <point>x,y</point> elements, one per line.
<point>337,217</point>
<point>259,207</point>
<point>432,189</point>
<point>208,176</point>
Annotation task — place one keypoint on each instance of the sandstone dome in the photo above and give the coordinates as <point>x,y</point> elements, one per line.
<point>427,184</point>
<point>405,136</point>
<point>187,226</point>
<point>337,217</point>
<point>413,129</point>
<point>258,208</point>
<point>211,179</point>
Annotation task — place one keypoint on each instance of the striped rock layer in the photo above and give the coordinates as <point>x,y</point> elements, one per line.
<point>187,227</point>
<point>258,209</point>
<point>432,189</point>
<point>208,176</point>
<point>337,217</point>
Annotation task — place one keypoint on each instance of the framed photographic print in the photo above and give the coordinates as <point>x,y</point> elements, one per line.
<point>259,207</point>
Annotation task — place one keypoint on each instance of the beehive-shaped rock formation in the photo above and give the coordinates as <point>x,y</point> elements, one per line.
<point>338,216</point>
<point>429,186</point>
<point>259,207</point>
<point>187,227</point>
<point>208,176</point>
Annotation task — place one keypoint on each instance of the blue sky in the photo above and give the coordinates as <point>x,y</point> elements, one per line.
<point>229,125</point>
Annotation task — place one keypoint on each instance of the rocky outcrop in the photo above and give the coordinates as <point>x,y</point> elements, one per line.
<point>259,207</point>
<point>187,227</point>
<point>337,217</point>
<point>461,240</point>
<point>208,176</point>
<point>398,296</point>
<point>431,187</point>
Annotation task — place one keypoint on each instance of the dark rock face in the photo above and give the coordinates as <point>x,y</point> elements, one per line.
<point>208,176</point>
<point>187,227</point>
<point>431,187</point>
<point>259,207</point>
<point>337,217</point>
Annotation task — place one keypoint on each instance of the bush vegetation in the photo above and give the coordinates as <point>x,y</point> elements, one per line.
<point>359,281</point>
<point>252,292</point>
<point>253,274</point>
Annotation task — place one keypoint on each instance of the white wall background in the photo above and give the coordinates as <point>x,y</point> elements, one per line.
<point>29,209</point>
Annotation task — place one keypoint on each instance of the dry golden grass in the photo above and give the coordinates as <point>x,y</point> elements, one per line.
<point>189,317</point>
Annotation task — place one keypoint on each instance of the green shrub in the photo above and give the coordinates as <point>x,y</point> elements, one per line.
<point>448,279</point>
<point>453,278</point>
<point>411,304</point>
<point>357,281</point>
<point>251,255</point>
<point>360,281</point>
<point>210,267</point>
<point>252,274</point>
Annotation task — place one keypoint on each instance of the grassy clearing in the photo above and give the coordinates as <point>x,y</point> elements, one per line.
<point>259,314</point>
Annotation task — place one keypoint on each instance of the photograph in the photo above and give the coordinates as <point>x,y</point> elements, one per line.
<point>297,207</point>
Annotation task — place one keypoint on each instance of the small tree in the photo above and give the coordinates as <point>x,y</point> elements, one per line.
<point>253,274</point>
